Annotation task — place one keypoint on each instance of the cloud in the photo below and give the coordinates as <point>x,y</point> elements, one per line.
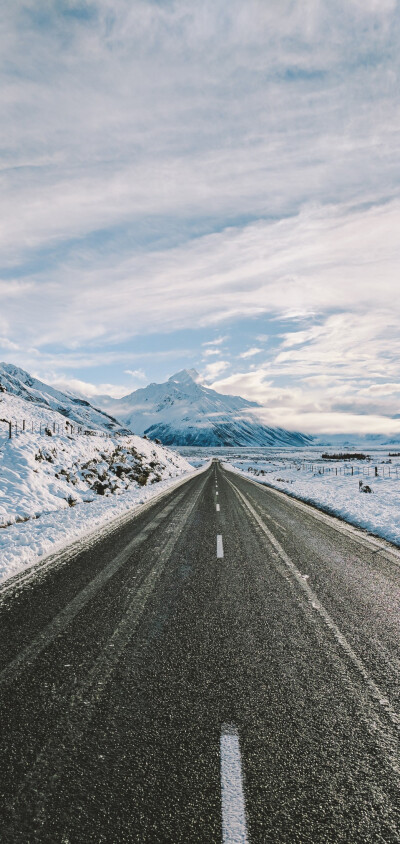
<point>382,389</point>
<point>136,373</point>
<point>217,342</point>
<point>155,147</point>
<point>8,344</point>
<point>364,345</point>
<point>375,7</point>
<point>213,370</point>
<point>341,403</point>
<point>86,389</point>
<point>46,361</point>
<point>14,289</point>
<point>322,259</point>
<point>251,352</point>
<point>211,352</point>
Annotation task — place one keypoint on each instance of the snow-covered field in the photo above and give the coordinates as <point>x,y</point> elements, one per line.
<point>332,485</point>
<point>55,489</point>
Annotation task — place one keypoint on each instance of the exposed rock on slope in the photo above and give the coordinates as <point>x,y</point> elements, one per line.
<point>42,473</point>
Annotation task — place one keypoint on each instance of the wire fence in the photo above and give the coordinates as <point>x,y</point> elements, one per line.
<point>10,428</point>
<point>371,471</point>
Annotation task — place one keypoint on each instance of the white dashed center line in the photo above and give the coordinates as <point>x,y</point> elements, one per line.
<point>218,508</point>
<point>234,829</point>
<point>220,547</point>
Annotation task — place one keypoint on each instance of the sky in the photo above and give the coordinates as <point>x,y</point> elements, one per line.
<point>211,185</point>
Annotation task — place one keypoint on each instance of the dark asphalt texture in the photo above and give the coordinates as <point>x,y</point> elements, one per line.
<point>121,662</point>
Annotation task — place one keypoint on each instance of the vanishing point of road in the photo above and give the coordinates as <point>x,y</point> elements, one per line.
<point>221,666</point>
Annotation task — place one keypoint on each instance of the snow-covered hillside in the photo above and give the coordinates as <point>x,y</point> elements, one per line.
<point>42,473</point>
<point>182,411</point>
<point>57,487</point>
<point>17,382</point>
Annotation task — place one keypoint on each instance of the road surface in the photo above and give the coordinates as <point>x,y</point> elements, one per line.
<point>224,667</point>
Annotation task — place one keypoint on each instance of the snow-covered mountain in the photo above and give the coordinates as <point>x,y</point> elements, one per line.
<point>182,411</point>
<point>356,441</point>
<point>19,383</point>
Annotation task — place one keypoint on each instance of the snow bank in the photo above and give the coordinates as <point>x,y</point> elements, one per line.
<point>22,545</point>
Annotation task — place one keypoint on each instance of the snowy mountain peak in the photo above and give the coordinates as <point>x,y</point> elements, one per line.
<point>186,376</point>
<point>183,411</point>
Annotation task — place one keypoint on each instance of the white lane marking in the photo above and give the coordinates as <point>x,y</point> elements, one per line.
<point>218,508</point>
<point>340,638</point>
<point>234,829</point>
<point>220,547</point>
<point>216,492</point>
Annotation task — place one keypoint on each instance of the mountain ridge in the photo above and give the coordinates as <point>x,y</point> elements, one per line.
<point>19,382</point>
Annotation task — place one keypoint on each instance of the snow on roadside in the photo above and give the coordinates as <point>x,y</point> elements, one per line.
<point>377,512</point>
<point>55,489</point>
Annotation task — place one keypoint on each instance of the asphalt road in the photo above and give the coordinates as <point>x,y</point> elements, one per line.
<point>224,667</point>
